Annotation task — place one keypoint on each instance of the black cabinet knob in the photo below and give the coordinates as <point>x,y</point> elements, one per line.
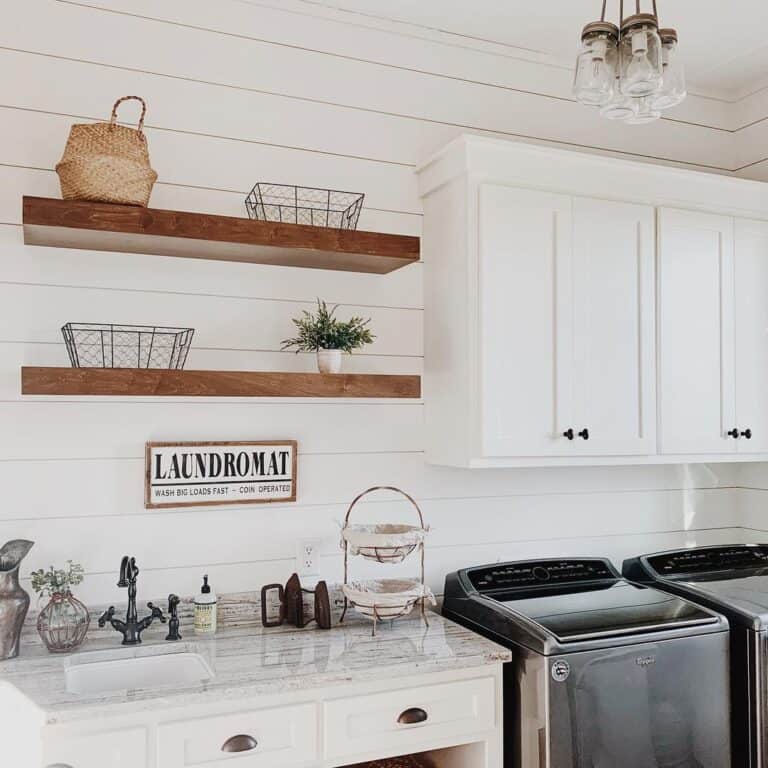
<point>734,433</point>
<point>569,434</point>
<point>584,434</point>
<point>747,433</point>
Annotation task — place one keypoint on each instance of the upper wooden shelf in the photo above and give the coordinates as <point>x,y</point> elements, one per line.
<point>132,229</point>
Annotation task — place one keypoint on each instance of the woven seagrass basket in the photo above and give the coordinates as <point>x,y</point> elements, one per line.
<point>406,761</point>
<point>107,162</point>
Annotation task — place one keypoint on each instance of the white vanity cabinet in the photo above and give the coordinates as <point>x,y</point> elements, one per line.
<point>454,716</point>
<point>713,334</point>
<point>588,310</point>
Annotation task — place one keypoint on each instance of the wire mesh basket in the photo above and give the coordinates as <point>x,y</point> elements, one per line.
<point>304,205</point>
<point>103,345</point>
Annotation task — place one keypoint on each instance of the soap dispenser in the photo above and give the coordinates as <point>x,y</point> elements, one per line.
<point>205,609</point>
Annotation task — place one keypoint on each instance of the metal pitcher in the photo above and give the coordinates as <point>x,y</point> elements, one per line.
<point>14,601</point>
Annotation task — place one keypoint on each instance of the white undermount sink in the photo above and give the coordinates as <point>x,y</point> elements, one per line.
<point>117,673</point>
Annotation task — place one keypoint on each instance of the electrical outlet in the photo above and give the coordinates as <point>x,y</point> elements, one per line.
<point>308,557</point>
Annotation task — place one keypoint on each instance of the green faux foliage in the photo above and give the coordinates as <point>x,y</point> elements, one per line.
<point>57,579</point>
<point>322,330</point>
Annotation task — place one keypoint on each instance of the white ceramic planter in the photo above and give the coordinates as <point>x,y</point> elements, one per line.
<point>329,360</point>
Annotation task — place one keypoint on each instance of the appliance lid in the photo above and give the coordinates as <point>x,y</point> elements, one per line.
<point>576,600</point>
<point>603,610</point>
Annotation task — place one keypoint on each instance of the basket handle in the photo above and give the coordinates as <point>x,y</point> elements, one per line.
<point>383,488</point>
<point>113,118</point>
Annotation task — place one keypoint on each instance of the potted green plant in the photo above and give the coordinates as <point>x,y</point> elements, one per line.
<point>322,333</point>
<point>63,623</point>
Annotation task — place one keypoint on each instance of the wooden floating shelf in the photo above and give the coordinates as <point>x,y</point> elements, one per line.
<point>132,229</point>
<point>142,382</point>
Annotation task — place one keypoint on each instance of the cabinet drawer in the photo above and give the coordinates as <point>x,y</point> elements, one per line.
<point>404,719</point>
<point>265,738</point>
<point>109,749</point>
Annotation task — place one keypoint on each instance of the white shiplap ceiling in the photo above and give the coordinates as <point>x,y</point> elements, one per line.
<point>724,42</point>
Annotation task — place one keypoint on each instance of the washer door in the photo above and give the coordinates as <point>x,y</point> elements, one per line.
<point>652,705</point>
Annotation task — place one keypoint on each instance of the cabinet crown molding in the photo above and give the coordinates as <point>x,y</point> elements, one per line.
<point>589,173</point>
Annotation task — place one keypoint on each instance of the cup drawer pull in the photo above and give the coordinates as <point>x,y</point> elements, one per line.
<point>239,743</point>
<point>411,716</point>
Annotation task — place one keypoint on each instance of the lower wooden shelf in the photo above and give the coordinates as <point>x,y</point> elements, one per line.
<point>142,382</point>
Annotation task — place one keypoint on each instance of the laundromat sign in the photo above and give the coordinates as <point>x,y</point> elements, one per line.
<point>204,474</point>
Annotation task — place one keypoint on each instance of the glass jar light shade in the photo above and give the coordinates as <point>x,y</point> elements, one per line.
<point>595,75</point>
<point>640,56</point>
<point>673,90</point>
<point>620,107</point>
<point>645,112</point>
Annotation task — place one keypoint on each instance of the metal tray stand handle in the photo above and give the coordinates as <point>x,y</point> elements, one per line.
<point>412,716</point>
<point>240,743</point>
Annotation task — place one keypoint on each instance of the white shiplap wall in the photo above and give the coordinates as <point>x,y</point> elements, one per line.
<point>286,91</point>
<point>752,501</point>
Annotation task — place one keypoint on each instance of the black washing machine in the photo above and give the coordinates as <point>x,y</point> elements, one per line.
<point>605,674</point>
<point>732,580</point>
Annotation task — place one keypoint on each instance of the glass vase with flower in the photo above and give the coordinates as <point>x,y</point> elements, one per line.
<point>63,623</point>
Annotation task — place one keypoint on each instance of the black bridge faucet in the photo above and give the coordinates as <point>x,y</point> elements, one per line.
<point>131,628</point>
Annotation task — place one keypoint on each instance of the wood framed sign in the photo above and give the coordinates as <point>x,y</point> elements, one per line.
<point>205,474</point>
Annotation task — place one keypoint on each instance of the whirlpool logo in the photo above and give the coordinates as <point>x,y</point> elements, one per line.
<point>645,661</point>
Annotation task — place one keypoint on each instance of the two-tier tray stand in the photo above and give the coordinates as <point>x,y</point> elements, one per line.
<point>387,554</point>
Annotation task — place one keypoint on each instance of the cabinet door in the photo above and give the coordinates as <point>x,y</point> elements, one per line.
<point>696,333</point>
<point>614,327</point>
<point>109,749</point>
<point>525,322</point>
<point>751,307</point>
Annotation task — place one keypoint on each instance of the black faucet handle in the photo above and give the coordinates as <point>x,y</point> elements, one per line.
<point>173,623</point>
<point>107,615</point>
<point>157,613</point>
<point>122,580</point>
<point>128,572</point>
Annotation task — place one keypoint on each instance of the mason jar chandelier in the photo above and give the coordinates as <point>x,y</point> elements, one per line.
<point>631,71</point>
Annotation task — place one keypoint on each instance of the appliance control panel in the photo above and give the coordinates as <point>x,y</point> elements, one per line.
<point>714,559</point>
<point>539,573</point>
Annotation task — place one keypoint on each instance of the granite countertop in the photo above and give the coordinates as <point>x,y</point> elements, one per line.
<point>251,661</point>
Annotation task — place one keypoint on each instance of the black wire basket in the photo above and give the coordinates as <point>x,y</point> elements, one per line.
<point>304,205</point>
<point>103,345</point>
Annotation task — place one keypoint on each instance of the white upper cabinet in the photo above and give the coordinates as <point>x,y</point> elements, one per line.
<point>751,327</point>
<point>696,333</point>
<point>614,327</point>
<point>525,308</point>
<point>576,312</point>
<point>566,308</point>
<point>713,341</point>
